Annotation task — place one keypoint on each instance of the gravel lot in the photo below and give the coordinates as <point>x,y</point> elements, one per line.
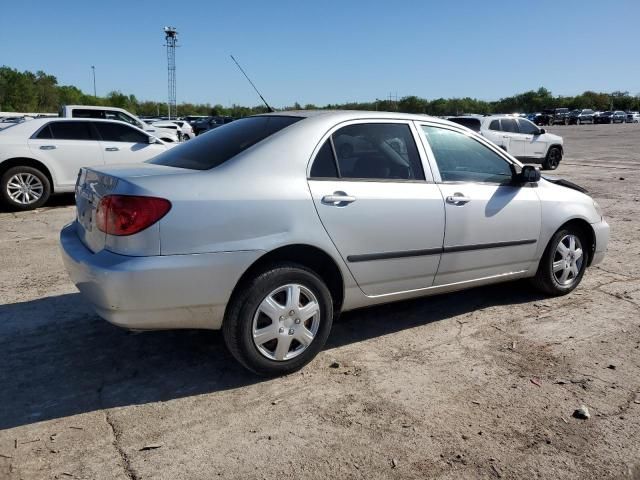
<point>477,384</point>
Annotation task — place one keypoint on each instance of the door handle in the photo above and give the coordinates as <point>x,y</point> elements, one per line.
<point>338,199</point>
<point>47,147</point>
<point>112,149</point>
<point>457,199</point>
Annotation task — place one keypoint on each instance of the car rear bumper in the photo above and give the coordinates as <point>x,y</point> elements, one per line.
<point>601,231</point>
<point>155,292</point>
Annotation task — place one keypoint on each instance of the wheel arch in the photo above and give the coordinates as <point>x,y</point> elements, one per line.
<point>587,230</point>
<point>308,256</point>
<point>27,162</point>
<point>557,145</point>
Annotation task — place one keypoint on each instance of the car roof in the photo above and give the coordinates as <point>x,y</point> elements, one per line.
<point>27,128</point>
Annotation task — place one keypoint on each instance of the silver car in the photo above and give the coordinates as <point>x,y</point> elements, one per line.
<point>264,229</point>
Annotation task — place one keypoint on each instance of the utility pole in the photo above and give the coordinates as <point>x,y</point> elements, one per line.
<point>93,69</point>
<point>171,38</point>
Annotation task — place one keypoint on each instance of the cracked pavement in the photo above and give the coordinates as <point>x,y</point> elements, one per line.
<point>475,384</point>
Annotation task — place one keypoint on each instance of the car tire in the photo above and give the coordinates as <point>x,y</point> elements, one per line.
<point>36,183</point>
<point>273,290</point>
<point>553,158</point>
<point>559,273</point>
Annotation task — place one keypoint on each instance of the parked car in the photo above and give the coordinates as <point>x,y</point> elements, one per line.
<point>9,121</point>
<point>617,116</point>
<point>185,128</point>
<point>258,228</point>
<point>43,156</point>
<point>555,116</point>
<point>113,113</point>
<point>518,136</point>
<point>578,117</point>
<point>210,123</point>
<point>633,117</point>
<point>169,125</point>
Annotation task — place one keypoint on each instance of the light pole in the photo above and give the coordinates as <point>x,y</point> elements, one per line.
<point>93,69</point>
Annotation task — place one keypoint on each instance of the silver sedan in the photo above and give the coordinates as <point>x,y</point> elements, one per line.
<point>267,229</point>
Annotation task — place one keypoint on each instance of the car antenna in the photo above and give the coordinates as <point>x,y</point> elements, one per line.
<point>254,87</point>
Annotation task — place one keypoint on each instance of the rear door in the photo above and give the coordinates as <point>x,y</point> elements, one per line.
<point>122,143</point>
<point>514,139</point>
<point>492,224</point>
<point>68,145</point>
<point>385,216</point>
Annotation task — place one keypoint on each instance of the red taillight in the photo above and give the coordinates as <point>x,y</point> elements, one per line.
<point>127,214</point>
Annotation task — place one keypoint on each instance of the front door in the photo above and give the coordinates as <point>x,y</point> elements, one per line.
<point>535,145</point>
<point>492,225</point>
<point>512,137</point>
<point>383,214</point>
<point>124,144</point>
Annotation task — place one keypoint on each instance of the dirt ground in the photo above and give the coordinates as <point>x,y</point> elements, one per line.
<point>476,384</point>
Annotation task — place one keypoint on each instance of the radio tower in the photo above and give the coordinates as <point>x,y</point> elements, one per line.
<point>171,38</point>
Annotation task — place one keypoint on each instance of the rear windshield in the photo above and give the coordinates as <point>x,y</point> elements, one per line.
<point>472,123</point>
<point>223,143</point>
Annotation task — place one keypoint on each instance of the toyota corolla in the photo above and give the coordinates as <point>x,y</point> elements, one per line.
<point>267,229</point>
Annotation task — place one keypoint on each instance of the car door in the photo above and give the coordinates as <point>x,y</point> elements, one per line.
<point>67,145</point>
<point>514,141</point>
<point>494,134</point>
<point>384,215</point>
<point>534,143</point>
<point>122,143</point>
<point>492,224</point>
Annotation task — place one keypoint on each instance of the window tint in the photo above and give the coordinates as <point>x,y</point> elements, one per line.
<point>44,133</point>
<point>85,113</point>
<point>472,123</point>
<point>71,131</point>
<point>527,127</point>
<point>220,144</point>
<point>509,125</point>
<point>324,165</point>
<point>123,117</point>
<point>115,132</point>
<point>462,159</point>
<point>385,151</point>
<point>495,125</point>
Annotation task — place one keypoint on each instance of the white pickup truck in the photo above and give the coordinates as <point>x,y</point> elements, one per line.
<point>113,113</point>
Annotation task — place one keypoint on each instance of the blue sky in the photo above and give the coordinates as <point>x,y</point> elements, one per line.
<point>329,51</point>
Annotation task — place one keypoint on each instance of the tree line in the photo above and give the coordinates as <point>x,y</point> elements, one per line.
<point>39,92</point>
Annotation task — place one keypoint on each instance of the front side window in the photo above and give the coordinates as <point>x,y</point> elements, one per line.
<point>123,117</point>
<point>115,132</point>
<point>509,125</point>
<point>381,151</point>
<point>527,127</point>
<point>461,158</point>
<point>71,131</point>
<point>223,143</point>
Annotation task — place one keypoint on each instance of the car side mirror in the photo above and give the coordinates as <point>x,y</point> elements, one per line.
<point>542,131</point>
<point>153,140</point>
<point>529,174</point>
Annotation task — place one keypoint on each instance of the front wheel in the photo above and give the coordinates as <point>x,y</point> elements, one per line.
<point>279,321</point>
<point>25,188</point>
<point>552,160</point>
<point>563,263</point>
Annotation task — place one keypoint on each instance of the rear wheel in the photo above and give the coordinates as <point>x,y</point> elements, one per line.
<point>552,160</point>
<point>279,321</point>
<point>25,188</point>
<point>563,263</point>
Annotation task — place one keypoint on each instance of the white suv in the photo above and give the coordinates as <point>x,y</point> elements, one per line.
<point>519,137</point>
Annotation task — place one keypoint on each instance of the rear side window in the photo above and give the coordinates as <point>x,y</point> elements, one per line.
<point>381,151</point>
<point>495,125</point>
<point>509,125</point>
<point>324,165</point>
<point>71,131</point>
<point>115,132</point>
<point>223,143</point>
<point>45,132</point>
<point>87,113</point>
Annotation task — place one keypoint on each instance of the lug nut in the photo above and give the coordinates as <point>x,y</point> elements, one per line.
<point>291,331</point>
<point>292,313</point>
<point>282,318</point>
<point>297,320</point>
<point>281,330</point>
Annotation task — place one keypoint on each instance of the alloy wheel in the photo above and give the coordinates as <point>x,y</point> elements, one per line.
<point>567,260</point>
<point>286,322</point>
<point>25,188</point>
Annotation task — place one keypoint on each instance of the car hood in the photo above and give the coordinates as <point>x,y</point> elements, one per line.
<point>564,183</point>
<point>550,137</point>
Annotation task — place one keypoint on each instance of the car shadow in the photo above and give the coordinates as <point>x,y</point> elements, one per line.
<point>60,359</point>
<point>56,201</point>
